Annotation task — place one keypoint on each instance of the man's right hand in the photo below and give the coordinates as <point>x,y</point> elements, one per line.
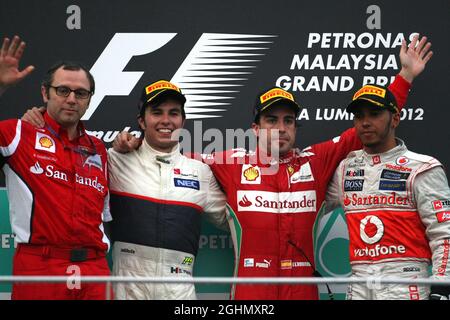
<point>125,142</point>
<point>10,55</point>
<point>35,117</point>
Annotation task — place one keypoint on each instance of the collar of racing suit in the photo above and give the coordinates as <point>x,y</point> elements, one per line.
<point>149,153</point>
<point>267,160</point>
<point>388,156</point>
<point>56,127</point>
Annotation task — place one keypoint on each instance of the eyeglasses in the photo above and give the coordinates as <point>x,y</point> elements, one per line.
<point>64,91</point>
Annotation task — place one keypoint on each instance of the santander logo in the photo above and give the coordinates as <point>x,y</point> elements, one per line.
<point>245,202</point>
<point>375,200</point>
<point>347,201</point>
<point>276,202</point>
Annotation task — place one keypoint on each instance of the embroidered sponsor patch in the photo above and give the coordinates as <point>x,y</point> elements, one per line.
<point>392,185</point>
<point>276,202</point>
<point>36,169</point>
<point>394,175</point>
<point>180,270</point>
<point>250,174</point>
<point>353,185</point>
<point>401,161</point>
<point>126,250</point>
<point>94,160</point>
<point>249,262</point>
<point>289,264</point>
<point>357,162</point>
<point>286,264</point>
<point>188,260</point>
<point>265,264</point>
<point>303,175</point>
<point>443,216</point>
<point>411,269</point>
<point>187,183</point>
<point>398,168</point>
<point>355,173</point>
<point>185,173</point>
<point>376,160</point>
<point>441,204</point>
<point>44,142</point>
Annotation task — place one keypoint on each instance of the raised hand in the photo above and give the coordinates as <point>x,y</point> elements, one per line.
<point>10,54</point>
<point>414,57</point>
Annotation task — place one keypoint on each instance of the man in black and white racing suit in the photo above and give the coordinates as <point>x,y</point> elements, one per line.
<point>158,197</point>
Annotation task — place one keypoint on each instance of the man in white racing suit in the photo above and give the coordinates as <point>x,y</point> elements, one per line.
<point>158,197</point>
<point>396,204</point>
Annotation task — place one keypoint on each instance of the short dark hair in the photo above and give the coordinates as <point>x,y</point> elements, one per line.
<point>67,65</point>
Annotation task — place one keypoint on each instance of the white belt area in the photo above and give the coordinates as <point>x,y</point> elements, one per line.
<point>157,255</point>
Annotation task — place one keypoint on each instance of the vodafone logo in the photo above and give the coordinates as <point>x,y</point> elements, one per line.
<point>401,161</point>
<point>371,232</point>
<point>371,229</point>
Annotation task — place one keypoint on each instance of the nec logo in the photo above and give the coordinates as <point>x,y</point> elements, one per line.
<point>353,185</point>
<point>216,63</point>
<point>186,183</point>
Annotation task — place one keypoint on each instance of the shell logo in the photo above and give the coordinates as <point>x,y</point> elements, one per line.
<point>45,142</point>
<point>251,174</point>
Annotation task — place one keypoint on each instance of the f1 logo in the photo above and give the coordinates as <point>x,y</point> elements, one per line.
<point>215,58</point>
<point>108,72</point>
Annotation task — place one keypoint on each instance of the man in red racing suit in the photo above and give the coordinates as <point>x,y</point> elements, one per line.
<point>273,214</point>
<point>56,179</point>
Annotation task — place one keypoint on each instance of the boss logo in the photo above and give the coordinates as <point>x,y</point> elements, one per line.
<point>353,185</point>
